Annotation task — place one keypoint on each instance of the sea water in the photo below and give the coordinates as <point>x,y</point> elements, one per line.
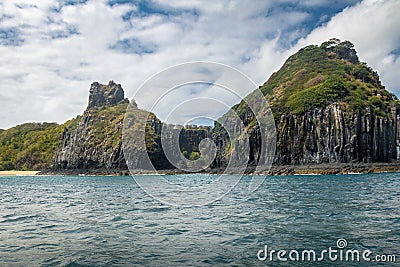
<point>111,221</point>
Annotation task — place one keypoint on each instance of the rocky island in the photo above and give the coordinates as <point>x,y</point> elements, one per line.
<point>331,111</point>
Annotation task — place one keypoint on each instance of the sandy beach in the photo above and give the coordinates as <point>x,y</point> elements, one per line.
<point>18,173</point>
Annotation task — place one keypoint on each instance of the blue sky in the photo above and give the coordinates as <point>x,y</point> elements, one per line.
<point>51,51</point>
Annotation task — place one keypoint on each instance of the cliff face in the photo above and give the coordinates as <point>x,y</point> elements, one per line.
<point>81,148</point>
<point>333,134</point>
<point>189,140</point>
<point>94,140</point>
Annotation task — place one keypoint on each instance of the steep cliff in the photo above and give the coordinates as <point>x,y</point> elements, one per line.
<point>329,108</point>
<point>336,134</point>
<point>93,142</point>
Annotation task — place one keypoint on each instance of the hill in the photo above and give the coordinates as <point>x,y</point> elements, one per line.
<point>30,146</point>
<point>330,107</point>
<point>317,76</point>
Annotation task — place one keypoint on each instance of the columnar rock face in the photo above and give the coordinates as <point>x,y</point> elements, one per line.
<point>326,135</point>
<point>332,135</point>
<point>190,138</point>
<point>328,108</point>
<point>102,95</point>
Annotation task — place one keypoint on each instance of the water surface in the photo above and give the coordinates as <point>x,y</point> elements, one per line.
<point>110,221</point>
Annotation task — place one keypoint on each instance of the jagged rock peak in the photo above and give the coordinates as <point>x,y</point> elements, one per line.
<point>105,95</point>
<point>341,50</point>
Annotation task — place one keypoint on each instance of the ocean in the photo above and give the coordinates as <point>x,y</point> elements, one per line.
<point>111,221</point>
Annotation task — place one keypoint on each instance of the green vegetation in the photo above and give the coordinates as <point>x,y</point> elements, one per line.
<point>105,125</point>
<point>317,76</point>
<point>30,146</point>
<point>321,94</point>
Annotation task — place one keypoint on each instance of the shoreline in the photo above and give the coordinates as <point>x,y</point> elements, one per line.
<point>18,173</point>
<point>309,169</point>
<point>336,168</point>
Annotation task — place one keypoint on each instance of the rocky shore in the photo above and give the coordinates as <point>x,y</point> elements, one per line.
<point>317,169</point>
<point>337,168</point>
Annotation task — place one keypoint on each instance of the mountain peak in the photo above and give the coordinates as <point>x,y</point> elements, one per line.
<point>317,76</point>
<point>105,95</point>
<point>340,50</point>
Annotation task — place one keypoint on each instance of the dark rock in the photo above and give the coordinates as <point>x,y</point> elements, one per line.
<point>94,142</point>
<point>327,135</point>
<point>334,135</point>
<point>103,95</point>
<point>82,150</point>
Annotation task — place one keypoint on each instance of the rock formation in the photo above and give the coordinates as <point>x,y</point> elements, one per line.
<point>328,108</point>
<point>105,95</point>
<point>93,142</point>
<point>332,134</point>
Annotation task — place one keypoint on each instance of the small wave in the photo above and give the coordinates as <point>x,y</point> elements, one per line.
<point>117,219</point>
<point>176,232</point>
<point>18,218</point>
<point>75,264</point>
<point>157,209</point>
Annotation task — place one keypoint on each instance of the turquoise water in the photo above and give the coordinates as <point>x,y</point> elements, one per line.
<point>110,221</point>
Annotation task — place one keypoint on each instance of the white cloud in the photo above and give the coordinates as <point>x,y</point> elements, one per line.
<point>65,48</point>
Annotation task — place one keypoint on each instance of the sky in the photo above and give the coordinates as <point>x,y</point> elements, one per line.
<point>52,50</point>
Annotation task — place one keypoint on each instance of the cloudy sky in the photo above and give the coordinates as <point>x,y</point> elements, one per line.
<point>51,51</point>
